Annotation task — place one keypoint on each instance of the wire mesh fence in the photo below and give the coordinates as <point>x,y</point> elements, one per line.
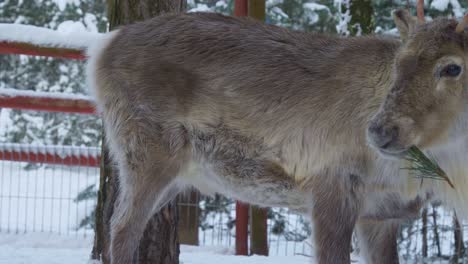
<point>288,233</point>
<point>59,197</point>
<point>52,189</point>
<point>44,198</point>
<point>438,236</point>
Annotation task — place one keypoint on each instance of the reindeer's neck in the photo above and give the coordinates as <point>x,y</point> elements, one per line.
<point>363,73</point>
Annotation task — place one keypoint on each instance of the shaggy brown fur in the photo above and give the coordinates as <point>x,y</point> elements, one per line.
<point>272,117</point>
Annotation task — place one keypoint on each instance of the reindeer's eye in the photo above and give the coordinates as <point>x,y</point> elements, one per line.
<point>451,70</point>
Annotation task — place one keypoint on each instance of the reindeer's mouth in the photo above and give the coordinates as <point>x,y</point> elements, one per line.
<point>393,153</point>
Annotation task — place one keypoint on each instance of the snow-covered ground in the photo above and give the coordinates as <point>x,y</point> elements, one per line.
<point>41,248</point>
<point>54,249</point>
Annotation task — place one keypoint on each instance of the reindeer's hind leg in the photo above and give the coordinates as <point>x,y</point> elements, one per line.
<point>134,208</point>
<point>147,172</point>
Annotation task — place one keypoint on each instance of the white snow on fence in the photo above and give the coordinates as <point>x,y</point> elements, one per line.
<point>64,38</point>
<point>9,92</point>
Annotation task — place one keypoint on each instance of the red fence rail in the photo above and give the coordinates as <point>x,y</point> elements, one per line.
<point>61,155</point>
<point>34,50</point>
<point>50,102</point>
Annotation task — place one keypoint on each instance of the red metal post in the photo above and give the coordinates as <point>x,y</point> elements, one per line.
<point>242,228</point>
<point>49,158</point>
<point>241,7</point>
<point>242,210</point>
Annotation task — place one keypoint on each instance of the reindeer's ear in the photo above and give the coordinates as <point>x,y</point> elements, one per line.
<point>462,28</point>
<point>462,25</point>
<point>405,22</point>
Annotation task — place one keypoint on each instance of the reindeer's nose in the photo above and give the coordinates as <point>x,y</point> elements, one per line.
<point>383,136</point>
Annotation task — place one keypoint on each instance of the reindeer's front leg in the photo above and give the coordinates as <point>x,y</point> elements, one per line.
<point>388,206</point>
<point>377,228</point>
<point>378,241</point>
<point>336,208</point>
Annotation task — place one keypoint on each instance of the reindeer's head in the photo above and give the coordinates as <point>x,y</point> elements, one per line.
<point>429,86</point>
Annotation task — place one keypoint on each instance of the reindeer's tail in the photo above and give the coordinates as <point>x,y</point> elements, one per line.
<point>94,53</point>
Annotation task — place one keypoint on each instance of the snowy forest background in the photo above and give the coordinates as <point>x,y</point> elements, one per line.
<point>60,75</point>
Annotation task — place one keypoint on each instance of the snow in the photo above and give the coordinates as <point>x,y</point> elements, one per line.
<point>442,5</point>
<point>17,249</point>
<point>68,35</point>
<point>201,8</point>
<point>343,17</point>
<point>315,7</point>
<point>63,3</point>
<point>9,92</point>
<point>311,10</point>
<point>271,3</point>
<point>91,22</point>
<point>279,12</point>
<point>5,121</point>
<point>53,249</point>
<point>197,255</point>
<point>222,4</point>
<point>70,27</point>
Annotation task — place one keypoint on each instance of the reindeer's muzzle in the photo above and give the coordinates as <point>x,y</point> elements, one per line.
<point>386,138</point>
<point>381,136</point>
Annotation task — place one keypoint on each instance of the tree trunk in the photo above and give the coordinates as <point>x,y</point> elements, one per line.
<point>159,244</point>
<point>424,233</point>
<point>105,206</point>
<point>122,12</point>
<point>362,17</point>
<point>188,217</point>
<point>257,9</point>
<point>258,235</point>
<point>458,237</point>
<point>436,231</point>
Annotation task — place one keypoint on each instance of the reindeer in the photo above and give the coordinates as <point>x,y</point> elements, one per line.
<point>276,117</point>
<point>401,123</point>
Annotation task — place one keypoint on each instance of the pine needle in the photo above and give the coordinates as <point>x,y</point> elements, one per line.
<point>425,166</point>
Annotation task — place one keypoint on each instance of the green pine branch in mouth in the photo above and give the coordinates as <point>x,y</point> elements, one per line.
<point>425,167</point>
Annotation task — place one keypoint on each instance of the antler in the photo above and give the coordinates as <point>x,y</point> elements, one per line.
<point>461,26</point>
<point>420,11</point>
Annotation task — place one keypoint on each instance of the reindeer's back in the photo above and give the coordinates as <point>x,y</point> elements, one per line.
<point>205,70</point>
<point>213,56</point>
